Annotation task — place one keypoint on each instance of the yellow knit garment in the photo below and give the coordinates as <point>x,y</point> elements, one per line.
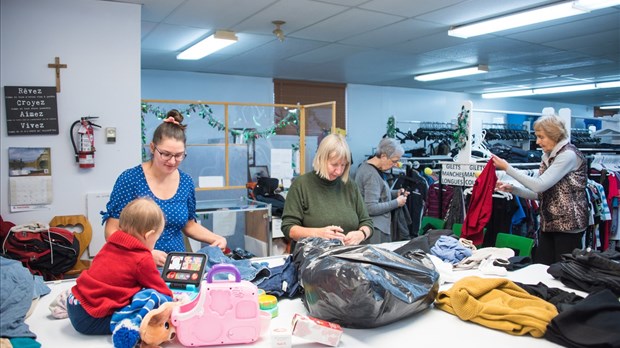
<point>497,303</point>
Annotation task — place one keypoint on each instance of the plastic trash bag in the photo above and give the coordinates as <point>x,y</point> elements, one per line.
<point>363,286</point>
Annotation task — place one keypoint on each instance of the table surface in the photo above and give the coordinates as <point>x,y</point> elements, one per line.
<point>430,326</point>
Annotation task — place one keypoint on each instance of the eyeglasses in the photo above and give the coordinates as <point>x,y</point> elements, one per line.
<point>168,156</point>
<point>395,162</point>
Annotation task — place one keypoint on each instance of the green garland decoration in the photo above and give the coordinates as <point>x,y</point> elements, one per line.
<point>205,112</point>
<point>143,130</point>
<point>460,135</point>
<point>391,127</point>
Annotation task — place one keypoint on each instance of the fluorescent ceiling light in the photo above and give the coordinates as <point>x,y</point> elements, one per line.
<point>551,90</point>
<point>528,17</point>
<point>453,73</point>
<point>609,107</point>
<point>508,94</point>
<point>564,89</point>
<point>213,43</point>
<point>592,5</point>
<point>611,84</point>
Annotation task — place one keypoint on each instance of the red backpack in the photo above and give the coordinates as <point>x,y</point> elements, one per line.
<point>45,251</point>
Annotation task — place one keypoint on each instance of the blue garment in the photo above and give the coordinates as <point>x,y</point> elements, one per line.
<point>84,323</point>
<point>449,249</point>
<point>251,271</point>
<point>519,215</point>
<point>125,323</point>
<point>18,287</point>
<point>24,342</point>
<point>178,210</point>
<point>283,279</point>
<point>604,207</point>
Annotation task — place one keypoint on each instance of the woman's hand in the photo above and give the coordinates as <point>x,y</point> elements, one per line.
<point>330,232</point>
<point>159,257</point>
<point>503,186</point>
<point>402,197</point>
<point>500,164</point>
<point>219,242</point>
<point>354,238</point>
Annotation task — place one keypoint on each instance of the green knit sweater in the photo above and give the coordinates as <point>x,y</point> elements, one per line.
<point>315,202</point>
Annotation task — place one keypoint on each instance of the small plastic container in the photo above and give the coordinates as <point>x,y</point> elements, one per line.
<point>281,337</point>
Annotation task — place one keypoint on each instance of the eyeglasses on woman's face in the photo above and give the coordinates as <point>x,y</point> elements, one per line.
<point>167,156</point>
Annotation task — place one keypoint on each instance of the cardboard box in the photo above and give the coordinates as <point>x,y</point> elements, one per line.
<point>316,330</point>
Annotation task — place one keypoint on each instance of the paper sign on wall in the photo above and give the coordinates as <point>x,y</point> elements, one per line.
<point>282,163</point>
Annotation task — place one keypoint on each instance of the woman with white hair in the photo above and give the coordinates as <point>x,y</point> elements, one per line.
<point>560,187</point>
<point>379,199</point>
<point>324,202</point>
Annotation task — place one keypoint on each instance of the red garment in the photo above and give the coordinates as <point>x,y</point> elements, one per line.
<point>605,226</point>
<point>123,267</point>
<point>480,205</point>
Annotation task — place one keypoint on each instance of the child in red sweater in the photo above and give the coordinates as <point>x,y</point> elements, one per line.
<point>123,267</point>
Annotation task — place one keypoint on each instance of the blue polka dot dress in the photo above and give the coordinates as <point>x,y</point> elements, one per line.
<point>178,210</point>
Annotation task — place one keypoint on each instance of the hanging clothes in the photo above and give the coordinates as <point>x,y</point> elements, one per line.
<point>480,205</point>
<point>503,211</point>
<point>438,200</point>
<point>418,188</point>
<point>456,209</point>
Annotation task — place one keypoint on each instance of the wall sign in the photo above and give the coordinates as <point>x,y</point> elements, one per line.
<point>460,174</point>
<point>31,110</point>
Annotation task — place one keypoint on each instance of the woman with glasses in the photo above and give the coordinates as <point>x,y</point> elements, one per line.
<point>560,187</point>
<point>380,200</point>
<point>172,189</point>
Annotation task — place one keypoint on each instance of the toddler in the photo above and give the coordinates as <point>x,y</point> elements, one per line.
<point>123,267</point>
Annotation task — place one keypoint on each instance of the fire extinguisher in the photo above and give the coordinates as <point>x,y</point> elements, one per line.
<point>85,149</point>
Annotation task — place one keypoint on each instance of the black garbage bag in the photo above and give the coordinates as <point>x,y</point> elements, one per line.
<point>363,286</point>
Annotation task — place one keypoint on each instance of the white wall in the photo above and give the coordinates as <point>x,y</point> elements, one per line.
<point>100,43</point>
<point>178,85</point>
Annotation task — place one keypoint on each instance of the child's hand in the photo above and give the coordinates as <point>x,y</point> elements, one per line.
<point>159,257</point>
<point>181,297</point>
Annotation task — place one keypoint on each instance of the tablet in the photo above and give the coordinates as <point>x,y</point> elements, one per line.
<point>183,272</point>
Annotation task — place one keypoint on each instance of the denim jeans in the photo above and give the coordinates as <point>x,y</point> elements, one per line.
<point>251,271</point>
<point>283,280</point>
<point>83,322</point>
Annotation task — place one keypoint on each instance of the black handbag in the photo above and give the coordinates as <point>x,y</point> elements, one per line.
<point>266,186</point>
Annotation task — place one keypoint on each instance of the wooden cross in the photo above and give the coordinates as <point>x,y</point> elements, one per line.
<point>57,66</point>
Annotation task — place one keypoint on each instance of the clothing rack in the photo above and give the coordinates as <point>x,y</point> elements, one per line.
<point>472,131</point>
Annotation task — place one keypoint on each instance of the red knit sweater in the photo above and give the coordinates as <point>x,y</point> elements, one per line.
<point>123,267</point>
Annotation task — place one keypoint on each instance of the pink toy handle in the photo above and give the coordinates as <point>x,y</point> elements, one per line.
<point>223,268</point>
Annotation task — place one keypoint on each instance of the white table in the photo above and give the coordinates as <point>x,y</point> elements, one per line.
<point>432,326</point>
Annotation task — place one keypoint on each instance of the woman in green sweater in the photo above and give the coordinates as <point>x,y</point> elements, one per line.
<point>324,202</point>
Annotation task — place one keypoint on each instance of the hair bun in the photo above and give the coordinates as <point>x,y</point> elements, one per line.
<point>176,115</point>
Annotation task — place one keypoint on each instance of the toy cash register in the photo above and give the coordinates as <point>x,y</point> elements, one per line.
<point>183,273</point>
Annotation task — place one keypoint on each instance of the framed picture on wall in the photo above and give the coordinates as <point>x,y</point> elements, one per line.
<point>256,172</point>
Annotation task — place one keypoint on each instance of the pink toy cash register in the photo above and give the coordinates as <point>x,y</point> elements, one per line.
<point>224,312</point>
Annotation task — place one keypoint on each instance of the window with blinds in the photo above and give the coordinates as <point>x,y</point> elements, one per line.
<point>307,92</point>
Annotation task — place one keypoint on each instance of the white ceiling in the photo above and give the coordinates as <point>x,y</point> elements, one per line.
<point>387,42</point>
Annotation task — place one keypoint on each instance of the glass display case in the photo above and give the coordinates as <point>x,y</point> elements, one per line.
<point>245,223</point>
